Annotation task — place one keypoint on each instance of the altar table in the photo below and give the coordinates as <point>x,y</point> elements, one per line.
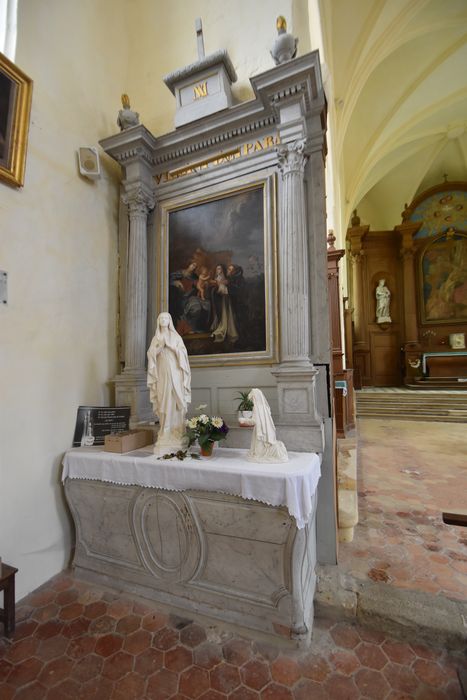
<point>223,537</point>
<point>446,363</point>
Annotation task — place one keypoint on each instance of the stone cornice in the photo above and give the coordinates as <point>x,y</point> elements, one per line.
<point>295,81</point>
<point>134,143</point>
<point>216,140</point>
<point>193,69</point>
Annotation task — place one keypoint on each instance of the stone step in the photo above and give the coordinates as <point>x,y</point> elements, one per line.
<point>417,407</point>
<point>381,411</point>
<point>405,405</point>
<point>406,409</point>
<point>446,398</point>
<point>381,398</point>
<point>419,404</point>
<point>414,416</point>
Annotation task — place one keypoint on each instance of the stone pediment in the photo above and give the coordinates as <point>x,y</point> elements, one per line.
<point>290,93</point>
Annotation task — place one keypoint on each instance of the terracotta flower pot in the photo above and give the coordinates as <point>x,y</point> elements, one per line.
<point>207,450</point>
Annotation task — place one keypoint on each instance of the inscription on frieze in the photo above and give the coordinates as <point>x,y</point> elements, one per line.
<point>246,149</point>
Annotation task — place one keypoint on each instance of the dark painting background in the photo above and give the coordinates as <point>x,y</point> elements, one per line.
<point>7,94</point>
<point>230,232</point>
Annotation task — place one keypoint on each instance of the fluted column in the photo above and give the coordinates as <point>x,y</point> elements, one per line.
<point>293,257</point>
<point>295,374</point>
<point>139,202</point>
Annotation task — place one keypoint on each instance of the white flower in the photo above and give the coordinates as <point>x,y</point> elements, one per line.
<point>217,422</point>
<point>203,418</point>
<point>192,423</point>
<point>201,407</point>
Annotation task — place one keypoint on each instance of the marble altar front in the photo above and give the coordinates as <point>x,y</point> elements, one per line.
<point>188,545</point>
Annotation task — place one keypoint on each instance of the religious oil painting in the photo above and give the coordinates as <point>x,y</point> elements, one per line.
<point>220,275</point>
<point>15,105</point>
<point>444,279</point>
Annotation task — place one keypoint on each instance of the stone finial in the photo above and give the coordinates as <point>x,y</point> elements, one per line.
<point>406,213</point>
<point>285,46</point>
<point>331,239</point>
<point>355,220</point>
<point>126,117</point>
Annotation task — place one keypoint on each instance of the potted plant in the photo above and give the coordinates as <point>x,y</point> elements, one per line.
<point>245,409</point>
<point>207,430</point>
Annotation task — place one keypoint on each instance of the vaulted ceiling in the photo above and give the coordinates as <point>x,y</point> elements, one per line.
<point>398,80</point>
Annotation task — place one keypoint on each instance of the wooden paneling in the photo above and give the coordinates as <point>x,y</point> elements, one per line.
<point>385,356</point>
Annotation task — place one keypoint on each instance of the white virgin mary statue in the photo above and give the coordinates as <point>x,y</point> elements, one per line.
<point>264,446</point>
<point>169,382</point>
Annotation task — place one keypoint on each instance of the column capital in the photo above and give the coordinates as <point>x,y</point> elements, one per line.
<point>407,231</point>
<point>356,256</point>
<point>292,157</point>
<point>139,200</point>
<point>406,253</point>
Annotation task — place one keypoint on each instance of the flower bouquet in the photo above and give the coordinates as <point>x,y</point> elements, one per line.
<point>207,430</point>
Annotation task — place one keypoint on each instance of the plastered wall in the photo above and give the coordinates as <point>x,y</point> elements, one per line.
<point>58,233</point>
<point>58,245</point>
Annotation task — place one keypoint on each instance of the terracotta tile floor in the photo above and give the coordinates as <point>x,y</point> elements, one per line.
<point>408,473</point>
<point>76,640</point>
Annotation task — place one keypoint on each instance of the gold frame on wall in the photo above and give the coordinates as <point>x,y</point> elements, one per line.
<point>15,109</point>
<point>220,192</point>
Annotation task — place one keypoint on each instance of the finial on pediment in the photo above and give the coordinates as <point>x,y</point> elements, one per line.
<point>281,24</point>
<point>355,220</point>
<point>445,176</point>
<point>199,38</point>
<point>126,116</point>
<point>285,46</point>
<point>406,213</point>
<point>331,239</point>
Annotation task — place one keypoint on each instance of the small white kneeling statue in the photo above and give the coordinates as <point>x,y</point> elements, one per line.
<point>169,382</point>
<point>264,446</point>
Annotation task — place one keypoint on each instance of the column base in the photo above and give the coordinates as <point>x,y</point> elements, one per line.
<point>296,390</point>
<point>299,425</point>
<point>131,390</point>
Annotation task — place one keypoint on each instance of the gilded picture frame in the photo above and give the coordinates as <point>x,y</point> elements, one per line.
<point>443,279</point>
<point>15,109</point>
<point>218,271</point>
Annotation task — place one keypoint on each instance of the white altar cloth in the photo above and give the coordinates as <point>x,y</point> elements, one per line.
<point>292,484</point>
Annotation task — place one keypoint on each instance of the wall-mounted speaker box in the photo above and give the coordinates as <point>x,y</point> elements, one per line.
<point>88,159</point>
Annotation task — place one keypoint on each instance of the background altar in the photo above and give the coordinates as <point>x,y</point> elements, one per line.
<point>424,263</point>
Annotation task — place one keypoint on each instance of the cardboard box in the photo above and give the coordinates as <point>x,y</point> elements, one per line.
<point>128,440</point>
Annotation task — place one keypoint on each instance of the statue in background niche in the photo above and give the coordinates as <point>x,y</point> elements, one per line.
<point>126,116</point>
<point>169,382</point>
<point>285,46</point>
<point>383,299</point>
<point>264,446</point>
